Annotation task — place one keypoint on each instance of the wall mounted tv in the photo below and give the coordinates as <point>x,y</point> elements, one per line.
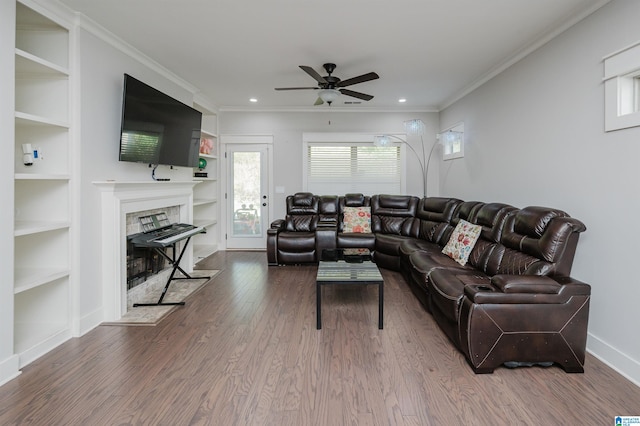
<point>156,128</point>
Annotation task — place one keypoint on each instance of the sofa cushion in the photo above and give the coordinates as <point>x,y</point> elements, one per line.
<point>356,240</point>
<point>437,209</point>
<point>422,263</point>
<point>301,223</point>
<point>297,241</point>
<point>462,240</point>
<point>409,246</point>
<point>447,289</point>
<point>354,200</point>
<point>538,241</point>
<point>357,219</point>
<point>389,243</point>
<point>302,203</point>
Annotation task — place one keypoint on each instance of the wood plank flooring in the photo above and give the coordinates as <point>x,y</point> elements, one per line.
<point>245,351</point>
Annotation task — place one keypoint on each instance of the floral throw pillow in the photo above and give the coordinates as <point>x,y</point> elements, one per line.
<point>462,240</point>
<point>357,219</point>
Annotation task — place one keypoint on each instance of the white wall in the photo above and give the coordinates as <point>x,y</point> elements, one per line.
<point>287,129</point>
<point>535,136</point>
<point>102,68</point>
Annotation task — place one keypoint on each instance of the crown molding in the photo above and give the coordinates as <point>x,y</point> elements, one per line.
<point>333,109</point>
<point>546,36</point>
<point>95,29</point>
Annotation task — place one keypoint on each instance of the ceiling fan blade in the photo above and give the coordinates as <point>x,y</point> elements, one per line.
<point>359,79</point>
<point>319,101</point>
<point>313,74</point>
<point>295,88</point>
<point>358,95</point>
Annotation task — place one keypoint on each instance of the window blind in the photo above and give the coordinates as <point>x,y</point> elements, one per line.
<point>341,168</point>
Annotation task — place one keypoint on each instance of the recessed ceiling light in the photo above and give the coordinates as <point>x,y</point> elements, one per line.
<point>253,100</point>
<point>402,100</point>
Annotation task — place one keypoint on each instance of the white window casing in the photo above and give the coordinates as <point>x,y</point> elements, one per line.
<point>341,163</point>
<point>622,88</point>
<point>452,140</point>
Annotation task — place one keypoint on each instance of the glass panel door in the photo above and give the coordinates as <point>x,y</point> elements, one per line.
<point>247,199</point>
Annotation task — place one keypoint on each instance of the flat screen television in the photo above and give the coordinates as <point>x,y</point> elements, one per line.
<point>156,128</point>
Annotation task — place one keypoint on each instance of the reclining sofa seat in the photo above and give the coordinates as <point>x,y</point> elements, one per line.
<point>293,239</point>
<point>434,216</point>
<point>392,221</point>
<point>518,304</point>
<point>353,239</point>
<point>433,223</point>
<point>308,228</point>
<point>444,300</point>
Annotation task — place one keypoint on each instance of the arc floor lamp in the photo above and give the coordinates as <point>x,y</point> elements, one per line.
<point>412,127</point>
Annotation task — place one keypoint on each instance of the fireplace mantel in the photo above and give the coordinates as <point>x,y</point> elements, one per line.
<point>117,200</point>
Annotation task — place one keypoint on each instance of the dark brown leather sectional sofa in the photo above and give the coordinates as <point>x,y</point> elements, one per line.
<point>513,303</point>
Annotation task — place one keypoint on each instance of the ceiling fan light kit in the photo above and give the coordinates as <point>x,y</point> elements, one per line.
<point>329,95</point>
<point>331,87</point>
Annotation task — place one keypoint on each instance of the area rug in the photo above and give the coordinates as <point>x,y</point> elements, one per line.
<point>178,291</point>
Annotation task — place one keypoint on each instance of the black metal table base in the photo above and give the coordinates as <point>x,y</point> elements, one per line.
<point>319,303</point>
<point>351,278</point>
<point>176,267</point>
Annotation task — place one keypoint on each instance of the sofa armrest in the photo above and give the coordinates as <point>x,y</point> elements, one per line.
<point>325,239</point>
<point>328,222</point>
<point>522,289</point>
<point>525,284</point>
<point>277,224</point>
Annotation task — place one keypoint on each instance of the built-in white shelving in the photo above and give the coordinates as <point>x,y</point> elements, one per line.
<point>205,197</point>
<point>42,228</point>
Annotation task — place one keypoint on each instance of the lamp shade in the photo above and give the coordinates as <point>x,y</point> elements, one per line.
<point>414,127</point>
<point>329,95</point>
<point>381,140</point>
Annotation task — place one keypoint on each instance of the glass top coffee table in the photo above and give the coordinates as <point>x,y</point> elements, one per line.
<point>354,271</point>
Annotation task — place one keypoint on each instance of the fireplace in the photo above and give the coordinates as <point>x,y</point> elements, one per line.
<point>143,263</point>
<point>120,201</point>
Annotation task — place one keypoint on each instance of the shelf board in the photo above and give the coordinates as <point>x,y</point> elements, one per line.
<point>204,201</point>
<point>215,157</point>
<point>41,176</point>
<point>204,222</point>
<point>29,278</point>
<point>27,63</point>
<point>34,227</point>
<point>205,179</point>
<point>25,119</point>
<point>207,133</point>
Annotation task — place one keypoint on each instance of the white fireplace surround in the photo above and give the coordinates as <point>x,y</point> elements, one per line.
<point>117,200</point>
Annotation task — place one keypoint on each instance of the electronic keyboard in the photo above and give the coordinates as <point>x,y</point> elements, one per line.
<point>166,236</point>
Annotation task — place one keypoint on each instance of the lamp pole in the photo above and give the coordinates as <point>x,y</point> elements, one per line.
<point>424,162</point>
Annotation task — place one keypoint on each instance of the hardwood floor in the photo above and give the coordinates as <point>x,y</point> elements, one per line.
<point>245,351</point>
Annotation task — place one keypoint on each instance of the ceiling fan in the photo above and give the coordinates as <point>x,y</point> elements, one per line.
<point>331,87</point>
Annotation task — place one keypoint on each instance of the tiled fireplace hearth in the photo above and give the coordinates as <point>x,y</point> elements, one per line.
<point>122,199</point>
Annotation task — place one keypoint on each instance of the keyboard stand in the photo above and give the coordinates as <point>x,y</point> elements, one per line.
<point>176,267</point>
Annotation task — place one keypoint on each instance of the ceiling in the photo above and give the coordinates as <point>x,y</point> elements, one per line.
<point>429,52</point>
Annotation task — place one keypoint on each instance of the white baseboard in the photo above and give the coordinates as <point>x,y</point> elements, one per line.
<point>89,321</point>
<point>9,369</point>
<point>619,361</point>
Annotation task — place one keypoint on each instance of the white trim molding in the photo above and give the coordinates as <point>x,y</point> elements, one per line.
<point>622,88</point>
<point>118,199</point>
